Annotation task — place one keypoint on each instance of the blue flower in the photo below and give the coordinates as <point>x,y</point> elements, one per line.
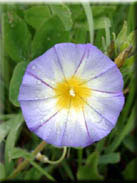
<point>71,95</point>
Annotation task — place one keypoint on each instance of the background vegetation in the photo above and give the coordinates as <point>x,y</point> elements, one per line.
<point>27,31</point>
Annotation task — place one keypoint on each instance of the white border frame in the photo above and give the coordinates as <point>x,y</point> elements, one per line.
<point>68,1</point>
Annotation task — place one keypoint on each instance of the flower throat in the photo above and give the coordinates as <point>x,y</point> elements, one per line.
<point>72,93</point>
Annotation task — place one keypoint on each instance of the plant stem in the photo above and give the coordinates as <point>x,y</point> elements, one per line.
<point>59,160</point>
<point>89,15</point>
<point>39,148</point>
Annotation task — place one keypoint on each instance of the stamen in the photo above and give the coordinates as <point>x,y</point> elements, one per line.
<point>72,92</point>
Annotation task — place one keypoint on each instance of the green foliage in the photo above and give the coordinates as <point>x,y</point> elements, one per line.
<point>33,172</point>
<point>37,15</point>
<point>46,36</point>
<point>18,152</point>
<point>80,35</point>
<point>90,171</point>
<point>122,35</point>
<point>109,158</point>
<point>5,127</point>
<point>130,171</point>
<point>130,125</point>
<point>17,37</point>
<point>13,135</point>
<point>64,13</point>
<point>11,140</point>
<point>68,170</point>
<point>98,11</point>
<point>130,143</point>
<point>124,40</point>
<point>101,22</point>
<point>2,171</point>
<point>16,82</point>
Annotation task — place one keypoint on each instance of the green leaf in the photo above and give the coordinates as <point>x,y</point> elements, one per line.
<point>2,171</point>
<point>40,169</point>
<point>12,137</point>
<point>124,117</point>
<point>131,13</point>
<point>109,158</point>
<point>121,37</point>
<point>129,41</point>
<point>16,37</point>
<point>32,174</point>
<point>16,82</point>
<point>100,145</point>
<point>5,127</point>
<point>103,10</point>
<point>18,152</point>
<point>80,156</point>
<point>68,170</point>
<point>130,143</point>
<point>88,12</point>
<point>90,171</point>
<point>26,155</point>
<point>125,40</point>
<point>101,22</point>
<point>130,171</point>
<point>80,35</point>
<point>122,34</point>
<point>51,32</point>
<point>77,11</point>
<point>5,117</point>
<point>11,140</point>
<point>64,13</point>
<point>36,15</point>
<point>128,68</point>
<point>129,126</point>
<point>130,100</point>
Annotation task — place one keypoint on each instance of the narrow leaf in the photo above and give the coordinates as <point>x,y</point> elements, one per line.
<point>2,171</point>
<point>5,127</point>
<point>11,140</point>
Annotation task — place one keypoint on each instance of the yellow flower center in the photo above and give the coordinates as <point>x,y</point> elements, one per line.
<point>72,93</point>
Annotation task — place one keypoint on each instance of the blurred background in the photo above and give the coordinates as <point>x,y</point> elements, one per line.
<point>27,31</point>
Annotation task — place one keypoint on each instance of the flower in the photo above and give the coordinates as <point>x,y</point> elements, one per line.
<point>71,95</point>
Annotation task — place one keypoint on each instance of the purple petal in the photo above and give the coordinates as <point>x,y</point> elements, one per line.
<point>47,68</point>
<point>108,105</point>
<point>70,57</point>
<point>52,130</point>
<point>94,63</point>
<point>110,81</point>
<point>38,111</point>
<point>33,89</point>
<point>98,126</point>
<point>76,132</point>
